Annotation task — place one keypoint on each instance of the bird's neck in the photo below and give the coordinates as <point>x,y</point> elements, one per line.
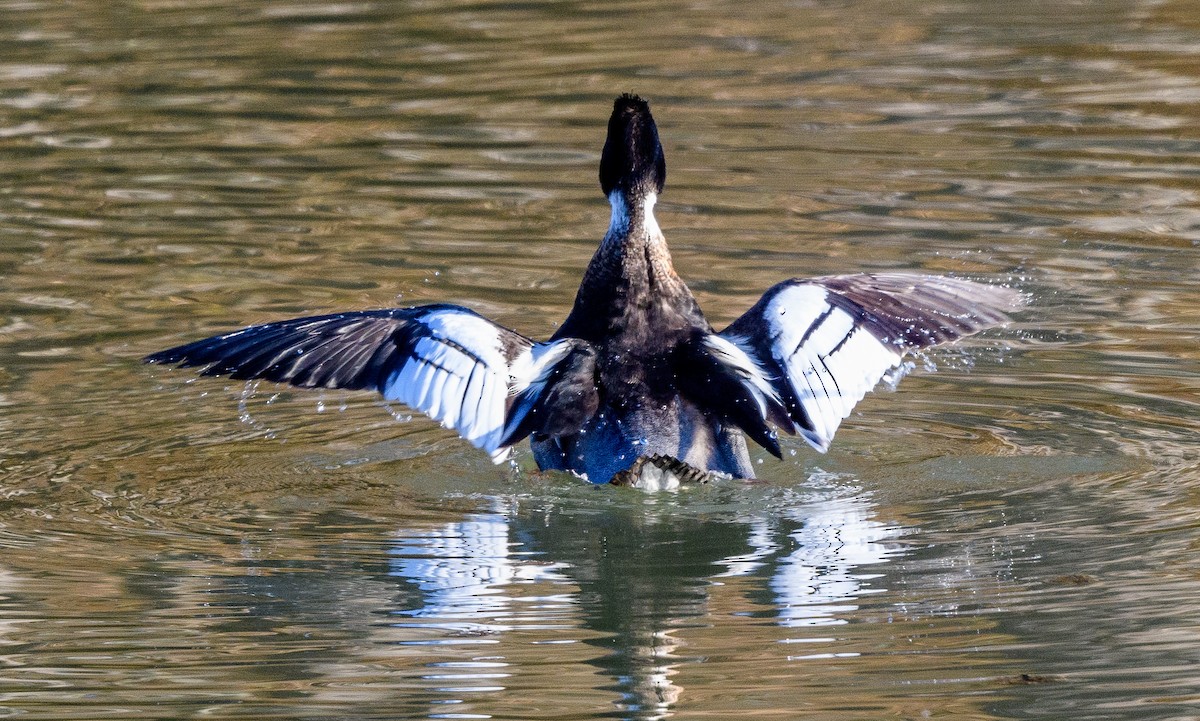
<point>630,282</point>
<point>634,249</point>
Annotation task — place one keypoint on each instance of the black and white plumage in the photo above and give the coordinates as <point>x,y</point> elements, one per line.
<point>635,371</point>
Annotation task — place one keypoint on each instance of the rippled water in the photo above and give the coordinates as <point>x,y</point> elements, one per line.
<point>1012,536</point>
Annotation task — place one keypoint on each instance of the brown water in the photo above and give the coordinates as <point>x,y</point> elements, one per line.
<point>1015,535</point>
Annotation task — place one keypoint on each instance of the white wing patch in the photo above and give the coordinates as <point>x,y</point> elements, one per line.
<point>831,362</point>
<point>459,374</point>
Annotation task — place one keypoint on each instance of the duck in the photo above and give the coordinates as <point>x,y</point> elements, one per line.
<point>635,377</point>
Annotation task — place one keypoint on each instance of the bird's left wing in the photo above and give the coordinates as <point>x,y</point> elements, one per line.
<point>449,362</point>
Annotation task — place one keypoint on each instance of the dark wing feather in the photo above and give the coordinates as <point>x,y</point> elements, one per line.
<point>303,351</point>
<point>561,400</point>
<point>916,311</point>
<point>719,377</point>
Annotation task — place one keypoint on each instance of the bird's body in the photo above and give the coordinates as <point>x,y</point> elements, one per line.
<point>637,313</point>
<point>635,371</point>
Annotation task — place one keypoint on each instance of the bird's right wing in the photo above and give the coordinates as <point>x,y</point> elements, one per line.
<point>817,346</point>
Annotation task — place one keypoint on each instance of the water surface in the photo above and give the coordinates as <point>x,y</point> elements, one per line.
<point>1012,534</point>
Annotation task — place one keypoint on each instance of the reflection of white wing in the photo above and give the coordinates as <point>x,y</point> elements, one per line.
<point>461,570</point>
<point>816,582</point>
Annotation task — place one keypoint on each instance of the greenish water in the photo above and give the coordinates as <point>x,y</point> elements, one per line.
<point>1012,534</point>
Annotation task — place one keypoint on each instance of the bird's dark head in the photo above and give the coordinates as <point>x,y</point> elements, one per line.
<point>632,159</point>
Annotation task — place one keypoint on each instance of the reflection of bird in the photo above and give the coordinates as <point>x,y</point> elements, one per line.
<point>635,370</point>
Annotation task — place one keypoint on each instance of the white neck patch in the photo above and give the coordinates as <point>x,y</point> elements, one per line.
<point>618,227</point>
